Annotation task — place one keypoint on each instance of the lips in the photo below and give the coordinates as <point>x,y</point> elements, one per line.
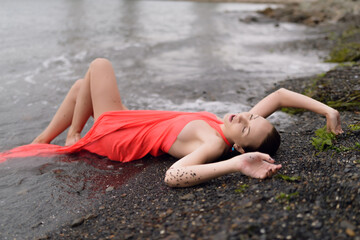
<point>231,118</point>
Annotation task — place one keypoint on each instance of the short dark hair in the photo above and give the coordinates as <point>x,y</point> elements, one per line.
<point>270,144</point>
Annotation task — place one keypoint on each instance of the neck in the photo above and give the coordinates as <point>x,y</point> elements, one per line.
<point>226,134</point>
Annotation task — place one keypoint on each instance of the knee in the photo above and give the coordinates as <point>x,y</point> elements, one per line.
<point>100,62</point>
<point>77,85</point>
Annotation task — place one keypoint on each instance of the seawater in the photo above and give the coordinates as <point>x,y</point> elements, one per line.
<point>167,55</point>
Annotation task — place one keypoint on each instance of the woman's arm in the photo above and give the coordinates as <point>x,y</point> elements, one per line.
<point>193,169</point>
<point>286,98</point>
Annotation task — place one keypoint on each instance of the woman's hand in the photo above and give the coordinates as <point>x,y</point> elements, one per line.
<point>333,122</point>
<point>257,165</point>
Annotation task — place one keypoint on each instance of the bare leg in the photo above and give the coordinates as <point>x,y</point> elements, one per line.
<point>98,94</point>
<point>95,94</point>
<point>83,109</point>
<point>62,118</point>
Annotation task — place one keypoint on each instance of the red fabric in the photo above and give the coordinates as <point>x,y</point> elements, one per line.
<point>125,135</point>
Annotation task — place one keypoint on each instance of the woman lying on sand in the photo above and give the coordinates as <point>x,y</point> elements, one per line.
<point>197,139</point>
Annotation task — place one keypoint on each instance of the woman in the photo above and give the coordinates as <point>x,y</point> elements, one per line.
<point>195,138</point>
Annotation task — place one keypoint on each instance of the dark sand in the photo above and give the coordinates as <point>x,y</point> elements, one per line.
<point>324,203</point>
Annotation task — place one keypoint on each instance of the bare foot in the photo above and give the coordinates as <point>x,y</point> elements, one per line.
<point>39,140</point>
<point>72,139</point>
<point>258,165</point>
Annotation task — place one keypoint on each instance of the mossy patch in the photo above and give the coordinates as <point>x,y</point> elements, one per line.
<point>323,140</point>
<point>286,197</point>
<point>288,178</point>
<point>354,127</point>
<point>345,52</point>
<point>325,88</point>
<point>241,188</point>
<point>292,111</point>
<point>347,47</point>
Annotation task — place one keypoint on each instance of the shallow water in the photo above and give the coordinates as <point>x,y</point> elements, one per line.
<point>166,55</point>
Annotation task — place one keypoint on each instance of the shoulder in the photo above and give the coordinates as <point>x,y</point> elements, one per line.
<point>198,134</point>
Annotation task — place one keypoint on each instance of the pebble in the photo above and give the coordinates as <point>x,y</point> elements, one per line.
<point>77,222</point>
<point>188,196</point>
<point>221,235</point>
<point>350,232</point>
<point>316,224</point>
<point>347,224</point>
<point>249,204</point>
<point>109,189</point>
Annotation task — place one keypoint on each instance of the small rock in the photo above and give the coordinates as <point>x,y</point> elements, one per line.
<point>38,224</point>
<point>110,166</point>
<point>316,224</point>
<point>173,236</point>
<point>109,189</point>
<point>249,204</point>
<point>188,196</point>
<point>77,222</point>
<point>346,224</point>
<point>221,235</point>
<point>350,232</point>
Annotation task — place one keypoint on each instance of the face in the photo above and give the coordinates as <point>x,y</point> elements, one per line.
<point>246,129</point>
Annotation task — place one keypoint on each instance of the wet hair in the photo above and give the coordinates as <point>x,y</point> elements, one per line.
<point>270,144</point>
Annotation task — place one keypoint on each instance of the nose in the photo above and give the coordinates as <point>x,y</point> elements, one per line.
<point>243,118</point>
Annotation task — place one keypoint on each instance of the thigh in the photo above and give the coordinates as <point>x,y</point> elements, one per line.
<point>105,94</point>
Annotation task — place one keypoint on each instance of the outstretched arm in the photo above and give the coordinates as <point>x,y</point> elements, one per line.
<point>193,169</point>
<point>286,98</point>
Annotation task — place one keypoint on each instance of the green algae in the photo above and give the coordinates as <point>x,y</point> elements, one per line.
<point>345,52</point>
<point>286,197</point>
<point>354,127</point>
<point>347,47</point>
<point>292,111</point>
<point>242,188</point>
<point>323,140</point>
<point>322,88</point>
<point>288,178</point>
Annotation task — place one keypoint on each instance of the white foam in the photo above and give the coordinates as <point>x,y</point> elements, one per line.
<point>279,119</point>
<point>30,79</point>
<point>59,61</point>
<point>80,56</point>
<point>154,101</point>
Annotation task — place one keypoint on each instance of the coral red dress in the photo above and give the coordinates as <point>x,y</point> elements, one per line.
<point>125,135</point>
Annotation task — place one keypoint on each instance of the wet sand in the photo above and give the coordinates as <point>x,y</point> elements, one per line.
<point>132,202</point>
<point>321,199</point>
<point>321,202</point>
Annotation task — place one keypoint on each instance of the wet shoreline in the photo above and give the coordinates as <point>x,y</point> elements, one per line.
<point>99,199</point>
<point>322,202</point>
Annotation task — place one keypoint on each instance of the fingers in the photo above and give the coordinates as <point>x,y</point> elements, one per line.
<point>272,171</point>
<point>266,157</point>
